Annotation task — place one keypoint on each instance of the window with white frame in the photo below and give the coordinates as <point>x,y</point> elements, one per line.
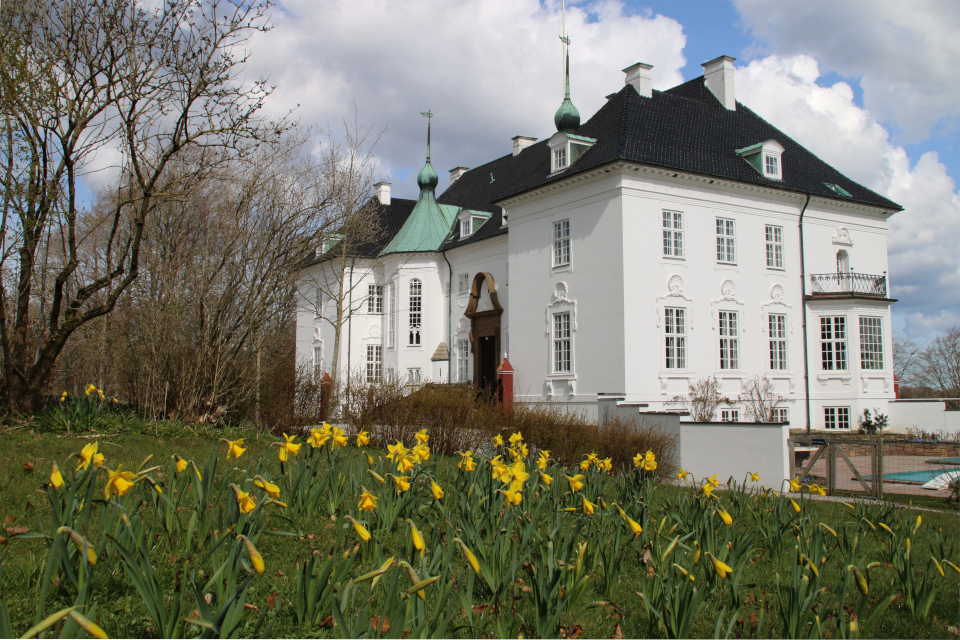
<point>675,337</point>
<point>463,360</point>
<point>833,343</point>
<point>561,243</point>
<point>777,328</point>
<point>779,414</point>
<point>771,165</point>
<point>729,341</point>
<point>392,315</point>
<point>317,361</point>
<point>463,283</point>
<point>416,311</point>
<point>465,227</point>
<point>374,363</point>
<point>726,240</point>
<point>836,417</point>
<point>561,343</point>
<point>730,415</point>
<point>673,234</point>
<point>391,374</point>
<point>374,298</point>
<point>559,158</point>
<point>774,246</point>
<point>871,343</point>
<point>413,375</point>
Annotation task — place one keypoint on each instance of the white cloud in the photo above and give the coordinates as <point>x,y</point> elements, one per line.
<point>924,262</point>
<point>489,70</point>
<point>906,53</point>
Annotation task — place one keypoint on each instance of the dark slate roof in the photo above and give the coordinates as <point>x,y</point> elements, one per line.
<point>492,227</point>
<point>684,128</point>
<point>391,218</point>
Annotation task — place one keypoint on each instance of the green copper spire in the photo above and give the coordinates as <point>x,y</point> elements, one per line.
<point>567,118</point>
<point>427,178</point>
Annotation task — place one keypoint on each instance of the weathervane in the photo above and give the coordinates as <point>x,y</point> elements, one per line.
<point>565,39</point>
<point>428,115</point>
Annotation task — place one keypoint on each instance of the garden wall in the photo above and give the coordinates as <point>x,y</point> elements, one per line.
<point>929,415</point>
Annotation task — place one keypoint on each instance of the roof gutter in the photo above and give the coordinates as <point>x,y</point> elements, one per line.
<point>803,306</point>
<point>449,315</point>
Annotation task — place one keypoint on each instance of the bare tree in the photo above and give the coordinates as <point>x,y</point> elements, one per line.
<point>938,369</point>
<point>81,81</point>
<point>761,399</point>
<point>702,400</point>
<point>905,358</point>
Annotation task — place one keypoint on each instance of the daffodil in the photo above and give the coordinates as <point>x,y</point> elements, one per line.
<point>272,490</point>
<point>363,438</point>
<point>422,452</point>
<point>197,471</point>
<point>576,482</point>
<point>707,489</point>
<point>547,480</point>
<point>396,451</point>
<point>406,463</point>
<point>418,542</point>
<point>368,501</point>
<point>234,447</point>
<point>498,440</point>
<point>543,460</point>
<point>435,489</point>
<point>179,463</point>
<point>63,398</point>
<point>634,526</point>
<point>255,558</point>
<point>90,389</point>
<point>682,475</point>
<point>422,436</point>
<point>637,460</point>
<point>466,461</point>
<point>755,476</point>
<point>56,478</point>
<point>516,437</point>
<point>118,482</point>
<point>83,545</point>
<point>402,482</point>
<point>319,436</point>
<point>584,465</point>
<point>471,559</point>
<point>588,506</point>
<point>607,464</point>
<point>713,481</point>
<point>795,484</point>
<point>361,530</point>
<point>89,455</point>
<point>288,448</point>
<point>725,516</point>
<point>244,501</point>
<point>513,495</point>
<point>796,507</point>
<point>720,567</point>
<point>339,438</point>
<point>376,476</point>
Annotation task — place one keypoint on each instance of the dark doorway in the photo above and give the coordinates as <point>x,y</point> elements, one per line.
<point>487,361</point>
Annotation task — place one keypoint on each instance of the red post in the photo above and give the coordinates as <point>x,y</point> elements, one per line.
<point>325,384</point>
<point>505,384</point>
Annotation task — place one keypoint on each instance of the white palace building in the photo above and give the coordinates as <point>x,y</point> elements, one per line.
<point>674,235</point>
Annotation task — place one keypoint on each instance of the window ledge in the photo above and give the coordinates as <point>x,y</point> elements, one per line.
<point>673,257</point>
<point>562,376</point>
<point>561,268</point>
<point>835,375</point>
<point>780,269</point>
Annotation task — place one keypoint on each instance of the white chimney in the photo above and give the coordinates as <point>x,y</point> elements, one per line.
<point>456,172</point>
<point>638,77</point>
<point>718,77</point>
<point>383,192</point>
<point>521,142</point>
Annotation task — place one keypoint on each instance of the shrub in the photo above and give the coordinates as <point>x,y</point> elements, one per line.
<point>621,439</point>
<point>567,435</point>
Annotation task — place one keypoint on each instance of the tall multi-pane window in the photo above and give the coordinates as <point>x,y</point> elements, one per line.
<point>561,243</point>
<point>465,228</point>
<point>463,283</point>
<point>561,342</point>
<point>413,375</point>
<point>559,158</point>
<point>836,417</point>
<point>777,327</point>
<point>374,363</point>
<point>675,336</point>
<point>779,414</point>
<point>374,299</point>
<point>833,343</point>
<point>774,246</point>
<point>463,360</point>
<point>772,165</point>
<point>391,315</point>
<point>317,361</point>
<point>416,311</point>
<point>871,343</point>
<point>726,240</point>
<point>729,340</point>
<point>673,234</point>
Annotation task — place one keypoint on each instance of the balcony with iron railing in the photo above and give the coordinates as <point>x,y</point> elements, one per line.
<point>848,284</point>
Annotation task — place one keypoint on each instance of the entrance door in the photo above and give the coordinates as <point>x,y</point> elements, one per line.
<point>487,360</point>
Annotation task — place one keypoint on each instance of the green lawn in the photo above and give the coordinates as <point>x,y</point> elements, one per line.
<point>520,547</point>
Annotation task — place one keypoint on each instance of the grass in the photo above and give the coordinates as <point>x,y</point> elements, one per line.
<point>26,456</point>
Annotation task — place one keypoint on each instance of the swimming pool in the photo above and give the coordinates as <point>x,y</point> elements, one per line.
<point>917,477</point>
<point>953,461</point>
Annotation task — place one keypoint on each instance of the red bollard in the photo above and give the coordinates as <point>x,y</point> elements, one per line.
<point>325,385</point>
<point>505,385</point>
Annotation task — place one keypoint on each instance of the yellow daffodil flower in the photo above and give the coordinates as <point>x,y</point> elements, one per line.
<point>543,460</point>
<point>422,452</point>
<point>118,482</point>
<point>396,451</point>
<point>422,436</point>
<point>707,489</point>
<point>402,482</point>
<point>713,481</point>
<point>498,440</point>
<point>588,506</point>
<point>513,495</point>
<point>607,464</point>
<point>89,455</point>
<point>637,460</point>
<point>56,478</point>
<point>255,558</point>
<point>649,464</point>
<point>376,476</point>
<point>179,463</point>
<point>917,525</point>
<point>63,398</point>
<point>795,484</point>
<point>244,501</point>
<point>319,436</point>
<point>634,526</point>
<point>584,465</point>
<point>368,501</point>
<point>516,437</point>
<point>721,568</point>
<point>682,475</point>
<point>796,507</point>
<point>471,559</point>
<point>547,480</point>
<point>339,438</point>
<point>288,447</point>
<point>725,516</point>
<point>82,543</point>
<point>90,389</point>
<point>363,438</point>
<point>576,482</point>
<point>234,448</point>
<point>272,490</point>
<point>418,542</point>
<point>755,476</point>
<point>435,489</point>
<point>361,530</point>
<point>406,463</point>
<point>197,471</point>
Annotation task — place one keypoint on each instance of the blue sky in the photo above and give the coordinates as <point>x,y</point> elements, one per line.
<point>871,86</point>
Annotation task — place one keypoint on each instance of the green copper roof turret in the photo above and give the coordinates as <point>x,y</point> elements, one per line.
<point>567,118</point>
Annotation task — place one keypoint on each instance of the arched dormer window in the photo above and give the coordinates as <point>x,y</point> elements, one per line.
<point>765,157</point>
<point>416,311</point>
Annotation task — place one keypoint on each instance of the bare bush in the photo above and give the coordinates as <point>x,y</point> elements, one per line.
<point>761,399</point>
<point>621,439</point>
<point>702,400</point>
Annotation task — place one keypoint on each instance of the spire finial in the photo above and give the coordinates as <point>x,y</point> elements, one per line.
<point>567,118</point>
<point>429,116</point>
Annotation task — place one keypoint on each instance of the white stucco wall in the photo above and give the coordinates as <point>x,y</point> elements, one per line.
<point>736,449</point>
<point>923,415</point>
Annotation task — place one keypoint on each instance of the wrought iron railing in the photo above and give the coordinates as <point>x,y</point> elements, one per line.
<point>862,283</point>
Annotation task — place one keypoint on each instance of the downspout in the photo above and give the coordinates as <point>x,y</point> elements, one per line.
<point>449,316</point>
<point>803,306</point>
<point>350,324</point>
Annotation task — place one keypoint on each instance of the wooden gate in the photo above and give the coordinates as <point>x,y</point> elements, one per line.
<point>828,451</point>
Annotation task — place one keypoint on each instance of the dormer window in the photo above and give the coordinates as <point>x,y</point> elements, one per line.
<point>765,157</point>
<point>465,228</point>
<point>837,189</point>
<point>566,149</point>
<point>471,221</point>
